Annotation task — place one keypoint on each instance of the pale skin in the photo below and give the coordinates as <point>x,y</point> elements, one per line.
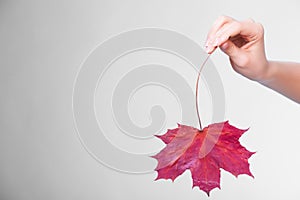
<point>243,42</point>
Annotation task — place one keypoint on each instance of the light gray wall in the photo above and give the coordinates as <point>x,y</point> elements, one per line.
<point>44,43</point>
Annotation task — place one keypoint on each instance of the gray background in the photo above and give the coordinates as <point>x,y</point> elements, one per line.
<point>43,44</point>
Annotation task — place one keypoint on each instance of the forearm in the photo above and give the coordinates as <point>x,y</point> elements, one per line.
<point>284,77</point>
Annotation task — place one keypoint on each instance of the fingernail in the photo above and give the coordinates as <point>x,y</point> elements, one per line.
<point>216,42</point>
<point>207,43</point>
<point>208,48</point>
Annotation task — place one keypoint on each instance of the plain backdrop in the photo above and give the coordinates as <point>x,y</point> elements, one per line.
<point>42,45</point>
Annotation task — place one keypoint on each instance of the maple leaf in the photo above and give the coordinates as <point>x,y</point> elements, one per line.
<point>203,152</point>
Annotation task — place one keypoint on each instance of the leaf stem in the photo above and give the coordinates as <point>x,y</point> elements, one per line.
<point>197,83</point>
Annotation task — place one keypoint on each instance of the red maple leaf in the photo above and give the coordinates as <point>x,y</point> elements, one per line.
<point>203,152</point>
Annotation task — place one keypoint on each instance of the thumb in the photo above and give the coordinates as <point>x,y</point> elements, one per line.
<point>230,49</point>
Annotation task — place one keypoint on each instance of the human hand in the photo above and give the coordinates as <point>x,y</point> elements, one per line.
<point>243,42</point>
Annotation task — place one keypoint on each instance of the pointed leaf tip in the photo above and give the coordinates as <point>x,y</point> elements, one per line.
<point>182,153</point>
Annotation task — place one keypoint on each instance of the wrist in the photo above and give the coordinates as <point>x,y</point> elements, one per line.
<point>269,72</point>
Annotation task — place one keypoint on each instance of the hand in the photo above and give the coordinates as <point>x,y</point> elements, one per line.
<point>243,42</point>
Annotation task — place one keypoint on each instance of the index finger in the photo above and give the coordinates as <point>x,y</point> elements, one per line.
<point>220,22</point>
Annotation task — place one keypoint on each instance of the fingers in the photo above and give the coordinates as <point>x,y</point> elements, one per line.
<point>226,28</point>
<point>247,29</point>
<point>218,24</point>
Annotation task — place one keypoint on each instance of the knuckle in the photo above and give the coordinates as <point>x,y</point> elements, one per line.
<point>260,28</point>
<point>224,18</point>
<point>250,20</point>
<point>230,49</point>
<point>237,25</point>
